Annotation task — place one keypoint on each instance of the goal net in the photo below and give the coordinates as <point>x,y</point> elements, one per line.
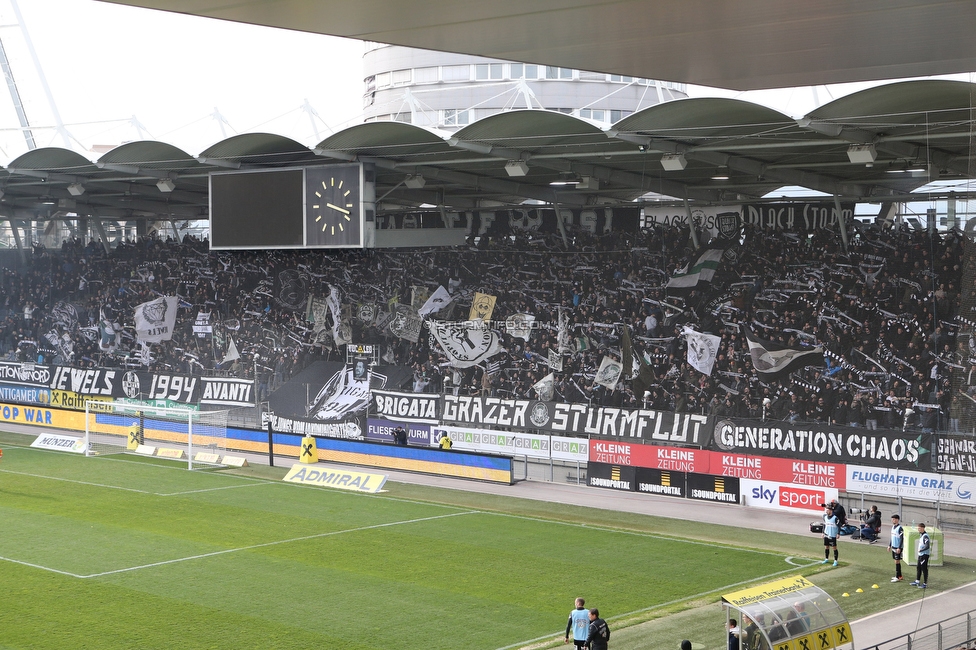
<point>197,437</point>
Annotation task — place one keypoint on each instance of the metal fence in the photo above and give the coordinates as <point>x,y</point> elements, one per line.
<point>952,633</point>
<point>552,471</point>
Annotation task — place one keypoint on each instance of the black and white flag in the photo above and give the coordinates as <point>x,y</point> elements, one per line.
<point>609,373</point>
<point>545,387</point>
<point>436,302</point>
<point>156,319</point>
<point>700,272</point>
<point>466,343</point>
<point>773,361</point>
<point>555,360</point>
<point>520,325</point>
<point>702,350</point>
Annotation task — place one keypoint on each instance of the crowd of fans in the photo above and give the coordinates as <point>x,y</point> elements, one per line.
<point>885,310</point>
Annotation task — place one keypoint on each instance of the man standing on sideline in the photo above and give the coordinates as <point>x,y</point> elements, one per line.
<point>733,629</point>
<point>923,549</point>
<point>599,632</point>
<point>831,528</point>
<point>579,623</point>
<point>896,545</point>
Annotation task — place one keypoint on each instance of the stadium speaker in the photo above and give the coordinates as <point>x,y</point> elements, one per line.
<point>516,168</point>
<point>76,189</point>
<point>415,182</point>
<point>673,162</point>
<point>166,185</point>
<point>862,153</point>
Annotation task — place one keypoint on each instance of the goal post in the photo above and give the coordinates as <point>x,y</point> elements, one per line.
<point>199,437</point>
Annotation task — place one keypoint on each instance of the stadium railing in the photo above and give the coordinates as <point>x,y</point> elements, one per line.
<point>952,633</point>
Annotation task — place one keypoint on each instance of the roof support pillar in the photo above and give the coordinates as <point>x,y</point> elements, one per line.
<point>17,240</point>
<point>101,233</point>
<point>559,223</point>
<point>176,231</point>
<point>691,226</point>
<point>841,222</point>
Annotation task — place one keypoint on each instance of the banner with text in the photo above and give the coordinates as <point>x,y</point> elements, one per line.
<point>382,431</point>
<point>907,484</point>
<point>829,443</point>
<point>511,443</point>
<point>583,419</point>
<point>783,496</point>
<point>954,454</point>
<point>406,407</point>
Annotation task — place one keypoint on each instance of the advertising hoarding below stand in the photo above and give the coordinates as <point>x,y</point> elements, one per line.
<point>783,496</point>
<point>382,431</point>
<point>906,484</point>
<point>615,477</point>
<point>661,482</point>
<point>721,489</point>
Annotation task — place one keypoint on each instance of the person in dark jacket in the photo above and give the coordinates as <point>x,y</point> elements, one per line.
<point>599,634</point>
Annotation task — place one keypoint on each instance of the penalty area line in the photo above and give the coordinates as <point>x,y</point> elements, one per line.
<point>523,644</point>
<point>266,544</point>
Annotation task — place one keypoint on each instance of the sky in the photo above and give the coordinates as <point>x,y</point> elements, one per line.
<point>106,64</point>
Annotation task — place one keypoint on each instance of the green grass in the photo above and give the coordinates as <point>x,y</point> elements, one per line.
<point>120,553</point>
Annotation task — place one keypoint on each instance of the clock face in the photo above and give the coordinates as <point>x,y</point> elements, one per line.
<point>333,207</point>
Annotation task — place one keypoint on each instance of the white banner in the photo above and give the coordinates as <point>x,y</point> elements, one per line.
<point>785,496</point>
<point>520,325</point>
<point>156,319</point>
<point>908,484</point>
<point>343,395</point>
<point>516,444</point>
<point>59,443</point>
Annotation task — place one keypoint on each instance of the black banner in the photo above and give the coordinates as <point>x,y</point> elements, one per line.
<point>557,417</point>
<point>723,489</point>
<point>407,407</point>
<point>796,217</point>
<point>954,455</point>
<point>78,384</point>
<point>615,477</point>
<point>663,482</point>
<point>825,443</point>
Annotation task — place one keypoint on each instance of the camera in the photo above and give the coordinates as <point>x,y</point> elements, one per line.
<point>856,511</point>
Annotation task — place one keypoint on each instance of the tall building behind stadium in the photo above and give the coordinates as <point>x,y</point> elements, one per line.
<point>449,91</point>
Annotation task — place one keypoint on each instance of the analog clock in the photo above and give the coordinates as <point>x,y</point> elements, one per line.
<point>334,207</point>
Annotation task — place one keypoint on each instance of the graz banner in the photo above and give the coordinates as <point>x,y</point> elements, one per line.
<point>515,443</point>
<point>406,407</point>
<point>583,419</point>
<point>834,444</point>
<point>919,486</point>
<point>954,455</point>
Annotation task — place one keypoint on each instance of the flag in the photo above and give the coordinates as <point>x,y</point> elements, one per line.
<point>436,302</point>
<point>418,296</point>
<point>773,361</point>
<point>555,360</point>
<point>545,387</point>
<point>520,325</point>
<point>482,306</point>
<point>562,339</point>
<point>701,272</point>
<point>609,373</point>
<point>702,350</point>
<point>232,353</point>
<point>466,343</point>
<point>156,319</point>
<point>645,377</point>
<point>406,323</point>
<point>626,354</point>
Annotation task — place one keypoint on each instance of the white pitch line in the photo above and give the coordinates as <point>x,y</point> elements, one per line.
<point>38,566</point>
<point>522,644</point>
<point>275,543</point>
<point>71,480</point>
<point>223,487</point>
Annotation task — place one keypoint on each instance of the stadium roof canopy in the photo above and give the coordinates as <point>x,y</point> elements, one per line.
<point>904,135</point>
<point>726,43</point>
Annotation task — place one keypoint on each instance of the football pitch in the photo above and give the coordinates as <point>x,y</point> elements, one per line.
<point>122,552</point>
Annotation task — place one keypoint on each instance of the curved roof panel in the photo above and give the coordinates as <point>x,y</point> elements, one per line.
<point>259,148</point>
<point>53,159</point>
<point>532,130</point>
<point>902,101</point>
<point>150,154</point>
<point>385,139</point>
<point>706,117</point>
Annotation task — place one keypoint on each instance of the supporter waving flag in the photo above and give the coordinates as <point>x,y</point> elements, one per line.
<point>773,361</point>
<point>693,276</point>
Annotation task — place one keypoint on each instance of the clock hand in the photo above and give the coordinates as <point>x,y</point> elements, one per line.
<point>336,207</point>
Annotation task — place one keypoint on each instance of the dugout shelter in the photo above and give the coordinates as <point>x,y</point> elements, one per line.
<point>788,614</point>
